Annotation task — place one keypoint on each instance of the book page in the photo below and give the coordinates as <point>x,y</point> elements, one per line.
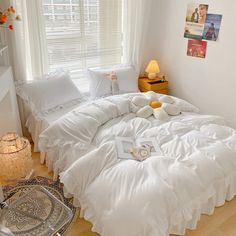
<point>124,145</point>
<point>150,142</point>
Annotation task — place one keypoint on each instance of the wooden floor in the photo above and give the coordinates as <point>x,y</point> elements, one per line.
<point>222,223</point>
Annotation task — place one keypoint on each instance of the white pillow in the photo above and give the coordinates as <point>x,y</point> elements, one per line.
<point>171,109</point>
<point>140,101</point>
<point>100,85</point>
<point>166,99</point>
<point>145,112</point>
<point>127,79</point>
<point>160,114</point>
<point>152,96</point>
<point>182,104</point>
<point>185,106</point>
<point>48,94</point>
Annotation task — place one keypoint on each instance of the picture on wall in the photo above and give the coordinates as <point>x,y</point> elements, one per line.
<point>212,27</point>
<point>197,48</point>
<point>195,20</point>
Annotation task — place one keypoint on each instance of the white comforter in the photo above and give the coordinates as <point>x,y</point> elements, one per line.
<point>161,195</point>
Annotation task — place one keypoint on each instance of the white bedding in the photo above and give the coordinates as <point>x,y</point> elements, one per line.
<point>36,125</point>
<point>161,195</point>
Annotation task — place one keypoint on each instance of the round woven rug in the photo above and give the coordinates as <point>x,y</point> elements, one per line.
<point>12,193</point>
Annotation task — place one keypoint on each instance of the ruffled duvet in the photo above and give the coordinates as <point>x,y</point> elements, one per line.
<point>164,194</point>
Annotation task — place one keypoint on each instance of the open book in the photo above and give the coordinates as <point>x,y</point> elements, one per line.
<point>126,145</point>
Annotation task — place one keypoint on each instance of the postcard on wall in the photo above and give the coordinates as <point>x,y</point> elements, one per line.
<point>212,27</point>
<point>195,20</point>
<point>196,48</point>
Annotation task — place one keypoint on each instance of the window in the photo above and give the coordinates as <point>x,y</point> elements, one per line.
<point>82,34</point>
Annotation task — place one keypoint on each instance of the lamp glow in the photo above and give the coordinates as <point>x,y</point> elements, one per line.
<point>152,69</point>
<point>15,157</point>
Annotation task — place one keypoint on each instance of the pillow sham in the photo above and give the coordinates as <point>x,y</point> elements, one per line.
<point>127,79</point>
<point>48,94</point>
<point>101,84</point>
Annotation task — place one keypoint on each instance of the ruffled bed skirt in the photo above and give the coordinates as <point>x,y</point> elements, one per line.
<point>184,218</point>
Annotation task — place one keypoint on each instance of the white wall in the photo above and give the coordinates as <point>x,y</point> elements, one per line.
<point>208,83</point>
<point>150,38</point>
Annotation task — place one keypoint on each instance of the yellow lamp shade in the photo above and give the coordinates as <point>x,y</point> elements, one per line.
<point>152,69</point>
<point>15,157</point>
<point>155,104</point>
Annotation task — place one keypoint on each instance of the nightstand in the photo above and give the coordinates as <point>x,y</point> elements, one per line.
<point>155,85</point>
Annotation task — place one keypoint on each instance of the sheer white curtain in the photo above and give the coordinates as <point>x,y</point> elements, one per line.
<point>37,41</point>
<point>136,19</point>
<point>26,43</point>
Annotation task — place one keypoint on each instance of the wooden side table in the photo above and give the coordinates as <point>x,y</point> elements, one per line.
<point>156,85</point>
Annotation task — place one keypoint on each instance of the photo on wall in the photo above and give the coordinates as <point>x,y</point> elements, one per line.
<point>195,20</point>
<point>212,27</point>
<point>197,48</point>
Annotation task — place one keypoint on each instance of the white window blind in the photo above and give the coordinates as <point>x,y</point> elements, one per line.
<point>82,34</point>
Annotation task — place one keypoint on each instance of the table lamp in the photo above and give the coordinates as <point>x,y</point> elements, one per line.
<point>15,157</point>
<point>152,69</point>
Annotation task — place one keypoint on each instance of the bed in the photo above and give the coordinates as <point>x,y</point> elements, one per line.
<point>193,173</point>
<point>165,194</point>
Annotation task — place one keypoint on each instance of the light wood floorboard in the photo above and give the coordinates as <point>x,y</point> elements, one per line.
<point>221,223</point>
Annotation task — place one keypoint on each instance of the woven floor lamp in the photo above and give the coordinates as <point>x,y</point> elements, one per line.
<point>15,157</point>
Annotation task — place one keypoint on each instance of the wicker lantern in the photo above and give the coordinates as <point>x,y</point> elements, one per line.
<point>15,157</point>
